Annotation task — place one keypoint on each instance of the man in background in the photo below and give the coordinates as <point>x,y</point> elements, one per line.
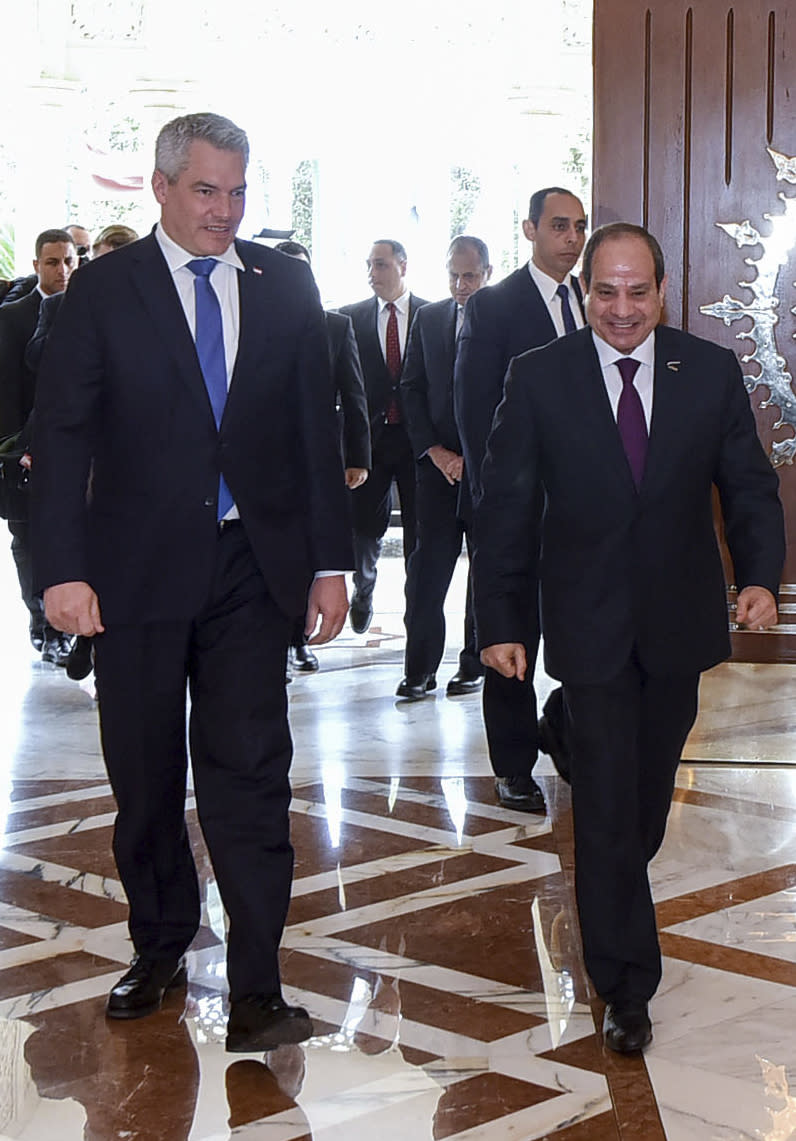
<point>532,306</point>
<point>427,390</point>
<point>381,326</point>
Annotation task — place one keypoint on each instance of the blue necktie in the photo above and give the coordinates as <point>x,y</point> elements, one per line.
<point>566,309</point>
<point>210,350</point>
<point>630,419</point>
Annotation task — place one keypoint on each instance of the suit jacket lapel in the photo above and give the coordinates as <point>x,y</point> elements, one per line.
<point>592,406</point>
<point>153,282</point>
<point>669,397</point>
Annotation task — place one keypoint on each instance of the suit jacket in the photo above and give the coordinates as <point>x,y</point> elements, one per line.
<point>500,322</point>
<point>379,386</point>
<point>121,393</point>
<point>349,388</point>
<point>620,568</point>
<point>48,311</point>
<point>427,378</point>
<point>17,381</point>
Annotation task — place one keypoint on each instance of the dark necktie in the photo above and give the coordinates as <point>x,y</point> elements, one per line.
<point>393,358</point>
<point>566,309</point>
<point>630,419</point>
<point>210,351</point>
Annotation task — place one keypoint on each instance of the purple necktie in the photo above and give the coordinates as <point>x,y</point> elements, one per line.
<point>630,419</point>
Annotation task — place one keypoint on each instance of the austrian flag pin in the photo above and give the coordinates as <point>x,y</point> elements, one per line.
<point>258,270</point>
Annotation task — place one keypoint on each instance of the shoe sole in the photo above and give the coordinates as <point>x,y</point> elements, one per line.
<point>284,1033</point>
<point>180,979</point>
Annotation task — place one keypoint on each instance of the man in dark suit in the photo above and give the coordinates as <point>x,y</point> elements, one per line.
<point>188,375</point>
<point>381,326</point>
<point>535,304</point>
<point>624,429</point>
<point>55,260</point>
<point>427,390</point>
<point>352,414</point>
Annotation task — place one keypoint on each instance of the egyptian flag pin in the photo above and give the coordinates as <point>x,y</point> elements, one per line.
<point>673,366</point>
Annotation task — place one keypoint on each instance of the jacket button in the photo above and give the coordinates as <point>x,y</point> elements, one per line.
<point>210,501</point>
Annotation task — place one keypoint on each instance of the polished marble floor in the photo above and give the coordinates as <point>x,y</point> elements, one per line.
<point>431,934</point>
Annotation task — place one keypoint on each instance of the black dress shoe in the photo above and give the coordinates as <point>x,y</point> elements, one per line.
<point>550,742</point>
<point>80,660</point>
<point>57,648</point>
<point>36,637</point>
<point>416,688</point>
<point>360,614</point>
<point>263,1022</point>
<point>303,659</point>
<point>141,990</point>
<point>627,1027</point>
<point>521,793</point>
<point>462,683</point>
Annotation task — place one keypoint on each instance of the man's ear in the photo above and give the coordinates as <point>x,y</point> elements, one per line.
<point>529,229</point>
<point>160,185</point>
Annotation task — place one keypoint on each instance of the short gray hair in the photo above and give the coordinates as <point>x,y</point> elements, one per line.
<point>174,140</point>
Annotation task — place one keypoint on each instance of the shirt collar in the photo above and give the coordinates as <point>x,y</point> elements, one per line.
<point>644,353</point>
<point>401,303</point>
<point>547,285</point>
<point>176,257</point>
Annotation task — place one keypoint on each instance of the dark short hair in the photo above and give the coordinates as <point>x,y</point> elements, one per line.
<point>53,236</point>
<point>536,205</point>
<point>611,232</point>
<point>396,247</point>
<point>175,139</point>
<point>293,250</point>
<point>467,242</point>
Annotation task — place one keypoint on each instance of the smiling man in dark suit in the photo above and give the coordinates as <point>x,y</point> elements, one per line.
<point>623,429</point>
<point>427,389</point>
<point>381,326</point>
<point>188,377</point>
<point>532,306</point>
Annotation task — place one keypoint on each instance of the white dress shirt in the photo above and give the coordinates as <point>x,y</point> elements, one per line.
<point>643,381</point>
<point>402,313</point>
<point>548,286</point>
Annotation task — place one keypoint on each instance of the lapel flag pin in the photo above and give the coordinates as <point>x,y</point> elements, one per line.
<point>674,366</point>
<point>258,270</point>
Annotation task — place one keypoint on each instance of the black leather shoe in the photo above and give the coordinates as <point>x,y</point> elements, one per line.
<point>550,742</point>
<point>303,659</point>
<point>627,1027</point>
<point>57,648</point>
<point>36,637</point>
<point>521,793</point>
<point>416,688</point>
<point>141,990</point>
<point>360,614</point>
<point>263,1022</point>
<point>462,683</point>
<point>80,660</point>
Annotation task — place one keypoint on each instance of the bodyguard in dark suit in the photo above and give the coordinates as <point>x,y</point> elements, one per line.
<point>189,374</point>
<point>55,260</point>
<point>381,326</point>
<point>624,429</point>
<point>531,307</point>
<point>427,389</point>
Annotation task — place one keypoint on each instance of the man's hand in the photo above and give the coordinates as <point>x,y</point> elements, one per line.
<point>448,462</point>
<point>355,477</point>
<point>757,608</point>
<point>328,599</point>
<point>508,658</point>
<point>74,608</point>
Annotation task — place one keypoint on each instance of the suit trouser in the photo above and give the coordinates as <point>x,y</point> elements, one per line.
<point>371,504</point>
<point>232,656</point>
<point>20,549</point>
<point>429,574</point>
<point>626,739</point>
